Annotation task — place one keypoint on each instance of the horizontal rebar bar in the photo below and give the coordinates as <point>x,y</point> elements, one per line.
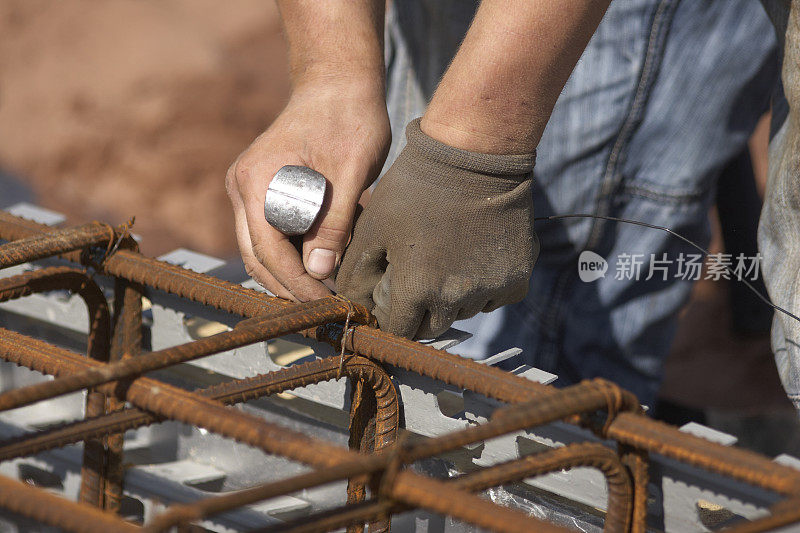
<point>54,243</point>
<point>230,393</point>
<point>50,509</point>
<point>570,456</point>
<point>631,429</point>
<point>177,404</point>
<point>585,397</point>
<point>296,317</point>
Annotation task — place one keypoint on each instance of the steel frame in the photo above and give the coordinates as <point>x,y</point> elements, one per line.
<point>113,374</point>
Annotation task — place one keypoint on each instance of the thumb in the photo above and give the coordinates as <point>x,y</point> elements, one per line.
<point>324,244</point>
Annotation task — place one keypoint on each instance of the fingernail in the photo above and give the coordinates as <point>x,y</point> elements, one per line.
<point>321,261</point>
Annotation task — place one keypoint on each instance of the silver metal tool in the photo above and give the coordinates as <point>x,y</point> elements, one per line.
<point>294,199</point>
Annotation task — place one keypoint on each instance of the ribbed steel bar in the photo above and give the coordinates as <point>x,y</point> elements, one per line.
<point>628,428</point>
<point>638,465</point>
<point>128,264</point>
<point>618,480</point>
<point>571,456</point>
<point>126,342</point>
<point>63,514</point>
<point>247,332</point>
<point>367,341</point>
<point>183,513</point>
<point>369,433</point>
<point>54,243</point>
<point>93,477</point>
<point>586,397</point>
<point>176,404</point>
<point>589,396</point>
<point>657,437</point>
<point>230,393</point>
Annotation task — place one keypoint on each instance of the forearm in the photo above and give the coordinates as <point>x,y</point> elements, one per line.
<point>500,89</point>
<point>335,43</point>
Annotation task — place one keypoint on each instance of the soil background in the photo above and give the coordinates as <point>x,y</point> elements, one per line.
<point>137,107</point>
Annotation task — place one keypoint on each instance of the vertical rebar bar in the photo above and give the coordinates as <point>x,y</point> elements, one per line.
<point>78,282</point>
<point>126,342</point>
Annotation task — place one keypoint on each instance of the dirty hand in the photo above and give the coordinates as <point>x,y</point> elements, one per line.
<point>336,131</point>
<point>447,233</point>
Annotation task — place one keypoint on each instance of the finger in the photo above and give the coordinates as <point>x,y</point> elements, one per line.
<point>360,272</point>
<point>283,261</point>
<point>513,294</point>
<point>437,322</point>
<point>324,244</point>
<point>408,306</point>
<point>470,310</point>
<point>270,247</point>
<point>363,265</point>
<point>254,269</point>
<point>382,297</point>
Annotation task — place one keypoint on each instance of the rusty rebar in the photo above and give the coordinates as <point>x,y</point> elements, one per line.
<point>126,342</point>
<point>586,397</point>
<point>356,368</point>
<point>54,243</point>
<point>128,264</point>
<point>618,480</point>
<point>63,514</point>
<point>653,436</point>
<point>176,404</point>
<point>636,434</point>
<point>183,406</point>
<point>572,456</point>
<point>631,428</point>
<point>636,461</point>
<point>229,393</point>
<point>247,332</point>
<point>78,282</point>
<point>372,429</point>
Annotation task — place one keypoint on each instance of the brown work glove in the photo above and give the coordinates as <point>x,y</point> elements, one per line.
<point>447,233</point>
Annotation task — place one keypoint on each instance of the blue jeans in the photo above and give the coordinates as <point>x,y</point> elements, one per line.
<point>664,95</point>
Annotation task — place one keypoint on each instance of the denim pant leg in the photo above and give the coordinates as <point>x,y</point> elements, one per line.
<point>779,227</point>
<point>624,140</point>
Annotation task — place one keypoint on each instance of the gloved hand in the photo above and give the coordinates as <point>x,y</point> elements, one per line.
<point>447,233</point>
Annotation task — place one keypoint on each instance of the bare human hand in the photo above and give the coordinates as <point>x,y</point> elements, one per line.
<point>340,131</point>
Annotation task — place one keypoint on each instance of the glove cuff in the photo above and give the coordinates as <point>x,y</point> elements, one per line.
<point>502,165</point>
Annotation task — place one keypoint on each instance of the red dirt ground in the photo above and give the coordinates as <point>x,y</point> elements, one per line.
<point>118,108</point>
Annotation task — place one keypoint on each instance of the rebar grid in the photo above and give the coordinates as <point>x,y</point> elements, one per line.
<point>113,374</point>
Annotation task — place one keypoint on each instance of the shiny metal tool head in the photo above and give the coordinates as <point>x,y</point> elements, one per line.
<point>294,199</point>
